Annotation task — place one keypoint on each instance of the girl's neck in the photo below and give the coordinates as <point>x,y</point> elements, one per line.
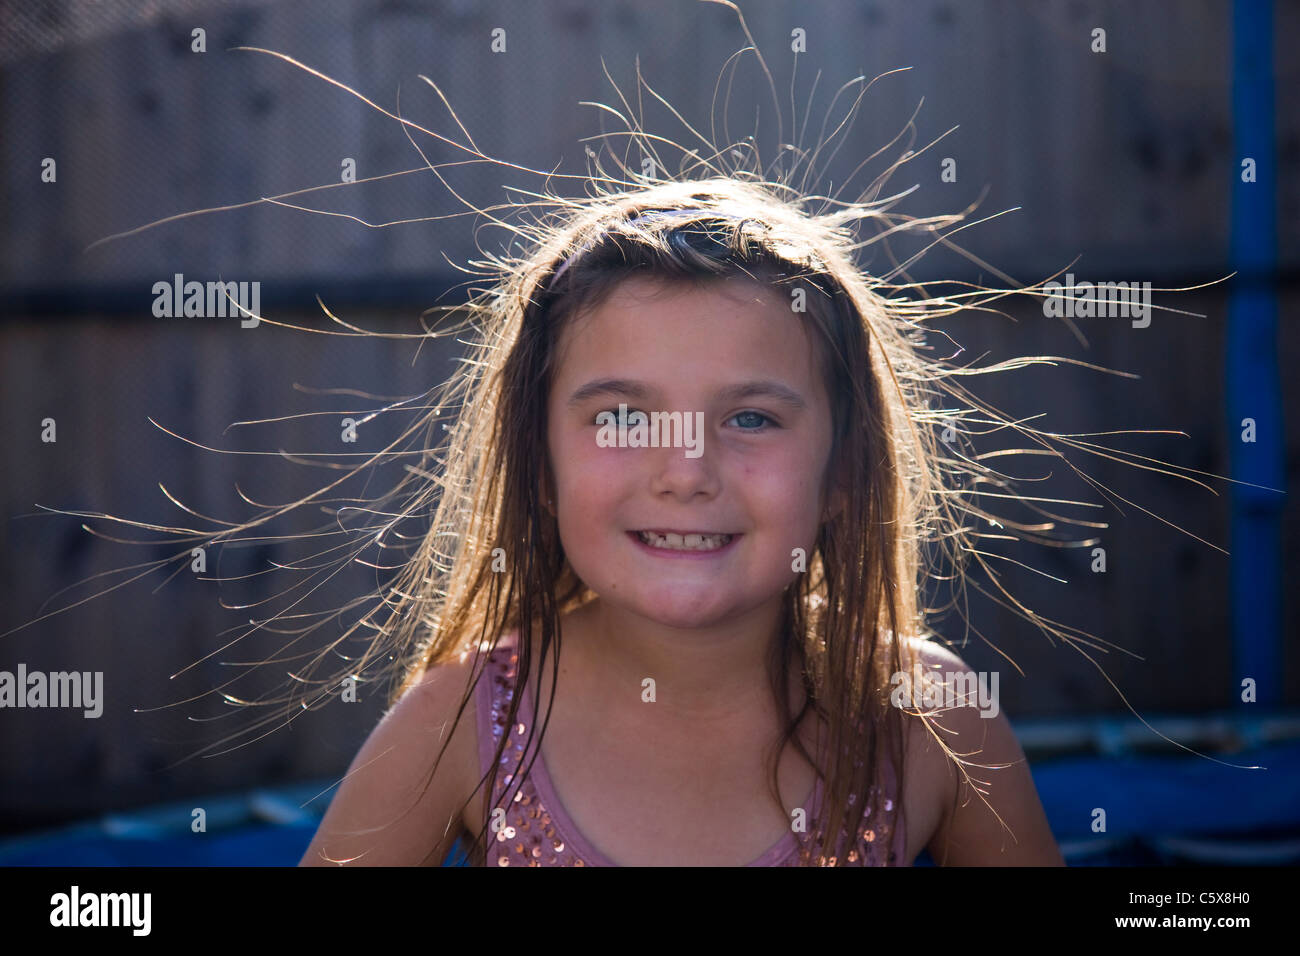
<point>709,675</point>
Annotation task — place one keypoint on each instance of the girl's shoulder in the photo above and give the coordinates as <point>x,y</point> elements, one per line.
<point>987,809</point>
<point>930,779</point>
<point>433,701</point>
<point>401,800</point>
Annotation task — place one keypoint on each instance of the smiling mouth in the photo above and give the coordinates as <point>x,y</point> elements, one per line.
<point>693,541</point>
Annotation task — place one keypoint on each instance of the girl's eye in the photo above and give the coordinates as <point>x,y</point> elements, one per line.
<point>750,417</point>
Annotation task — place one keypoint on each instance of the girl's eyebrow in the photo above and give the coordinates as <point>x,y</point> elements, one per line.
<point>764,388</point>
<point>615,387</point>
<point>627,388</point>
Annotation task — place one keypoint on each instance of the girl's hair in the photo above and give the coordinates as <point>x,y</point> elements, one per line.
<point>912,503</point>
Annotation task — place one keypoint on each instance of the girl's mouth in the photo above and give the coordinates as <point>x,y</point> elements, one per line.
<point>664,542</point>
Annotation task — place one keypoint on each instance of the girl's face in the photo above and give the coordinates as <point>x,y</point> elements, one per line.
<point>735,358</point>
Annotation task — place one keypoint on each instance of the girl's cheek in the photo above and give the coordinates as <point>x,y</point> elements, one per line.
<point>588,464</point>
<point>573,445</point>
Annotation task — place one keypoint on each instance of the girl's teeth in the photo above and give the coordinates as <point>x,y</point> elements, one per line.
<point>690,542</point>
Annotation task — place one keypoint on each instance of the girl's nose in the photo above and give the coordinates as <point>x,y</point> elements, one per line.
<point>684,477</point>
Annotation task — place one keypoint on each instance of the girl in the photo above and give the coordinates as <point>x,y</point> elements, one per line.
<point>639,656</point>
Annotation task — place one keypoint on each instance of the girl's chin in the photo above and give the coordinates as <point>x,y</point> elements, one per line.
<point>679,607</point>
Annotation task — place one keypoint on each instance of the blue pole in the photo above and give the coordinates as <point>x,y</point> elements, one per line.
<point>1253,390</point>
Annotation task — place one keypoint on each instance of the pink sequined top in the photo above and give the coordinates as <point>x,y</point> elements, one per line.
<point>538,832</point>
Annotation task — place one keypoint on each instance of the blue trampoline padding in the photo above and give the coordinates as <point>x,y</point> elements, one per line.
<point>255,845</point>
<point>1146,795</point>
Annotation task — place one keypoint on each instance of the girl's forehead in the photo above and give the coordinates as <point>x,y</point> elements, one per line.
<point>662,332</point>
